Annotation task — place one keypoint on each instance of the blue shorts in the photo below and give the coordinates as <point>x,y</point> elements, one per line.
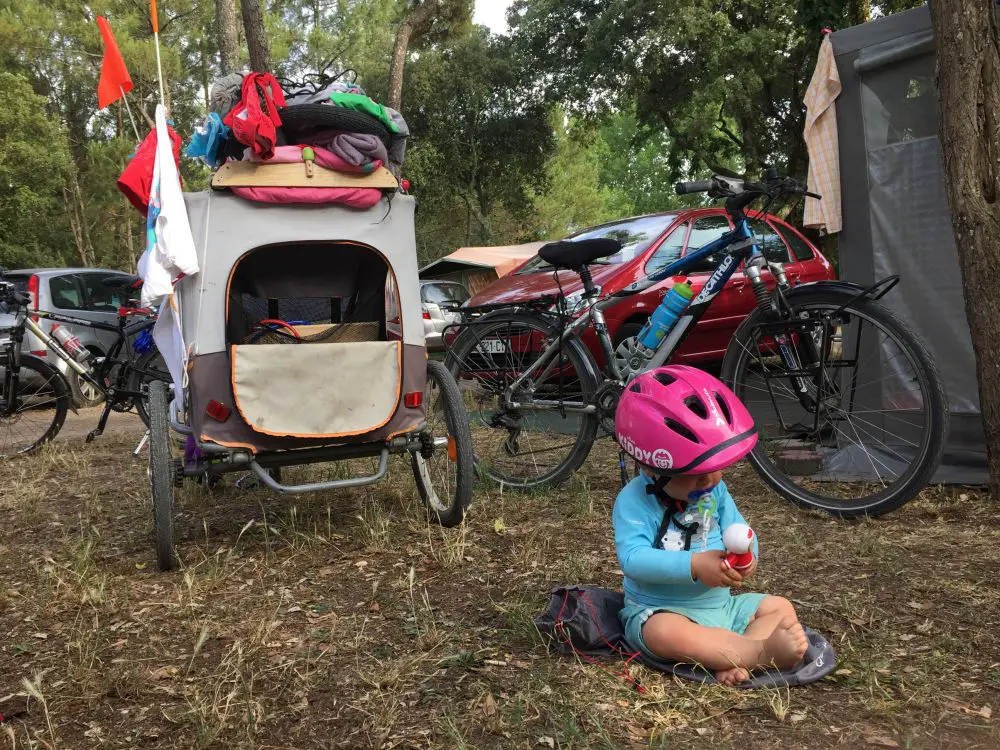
<point>734,615</point>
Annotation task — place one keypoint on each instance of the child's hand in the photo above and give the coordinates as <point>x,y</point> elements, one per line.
<point>710,568</point>
<point>747,572</point>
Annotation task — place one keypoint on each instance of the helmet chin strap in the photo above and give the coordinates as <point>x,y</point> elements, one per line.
<point>658,490</point>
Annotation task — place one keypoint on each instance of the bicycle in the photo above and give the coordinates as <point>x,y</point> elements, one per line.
<point>43,392</point>
<point>538,397</point>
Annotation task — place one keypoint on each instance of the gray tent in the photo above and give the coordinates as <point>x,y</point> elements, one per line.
<point>895,208</point>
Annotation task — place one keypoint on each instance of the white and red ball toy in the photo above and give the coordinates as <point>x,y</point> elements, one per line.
<point>738,539</point>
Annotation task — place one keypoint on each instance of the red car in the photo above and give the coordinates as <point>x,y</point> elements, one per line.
<point>649,243</point>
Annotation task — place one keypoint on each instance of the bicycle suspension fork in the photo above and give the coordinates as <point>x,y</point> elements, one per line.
<point>768,309</point>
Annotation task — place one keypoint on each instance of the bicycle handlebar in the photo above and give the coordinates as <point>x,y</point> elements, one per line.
<point>697,186</point>
<point>722,187</point>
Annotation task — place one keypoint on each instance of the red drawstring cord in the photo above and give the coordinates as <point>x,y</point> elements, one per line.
<point>623,674</point>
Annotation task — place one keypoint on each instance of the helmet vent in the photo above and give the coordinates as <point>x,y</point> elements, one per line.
<point>695,404</point>
<point>724,408</point>
<point>664,378</point>
<point>681,430</point>
<point>636,388</point>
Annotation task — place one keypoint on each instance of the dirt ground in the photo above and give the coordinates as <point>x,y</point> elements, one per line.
<point>78,424</point>
<point>343,620</point>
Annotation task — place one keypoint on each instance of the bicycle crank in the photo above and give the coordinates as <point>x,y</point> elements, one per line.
<point>606,398</point>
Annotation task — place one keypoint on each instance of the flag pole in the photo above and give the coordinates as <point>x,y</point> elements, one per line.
<point>156,42</point>
<point>130,118</point>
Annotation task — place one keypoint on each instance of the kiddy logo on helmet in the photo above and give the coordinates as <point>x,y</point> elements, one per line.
<point>659,458</point>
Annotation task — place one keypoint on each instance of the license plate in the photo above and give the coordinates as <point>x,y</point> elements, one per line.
<point>492,346</point>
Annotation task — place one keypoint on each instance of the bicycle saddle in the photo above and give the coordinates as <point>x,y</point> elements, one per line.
<point>570,254</point>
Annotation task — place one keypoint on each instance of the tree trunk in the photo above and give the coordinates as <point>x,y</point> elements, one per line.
<point>203,49</point>
<point>416,16</point>
<point>228,35</point>
<point>481,218</point>
<point>751,156</point>
<point>73,198</point>
<point>253,25</point>
<point>968,84</point>
<point>859,11</point>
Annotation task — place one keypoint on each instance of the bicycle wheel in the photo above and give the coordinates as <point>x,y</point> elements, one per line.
<point>860,427</point>
<point>539,434</point>
<point>161,476</point>
<point>445,480</point>
<point>149,367</point>
<point>38,408</point>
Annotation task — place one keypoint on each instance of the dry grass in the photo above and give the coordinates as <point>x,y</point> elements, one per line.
<point>343,620</point>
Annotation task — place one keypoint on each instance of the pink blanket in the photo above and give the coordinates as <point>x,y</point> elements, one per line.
<point>354,197</point>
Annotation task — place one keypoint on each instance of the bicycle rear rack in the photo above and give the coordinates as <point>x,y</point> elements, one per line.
<point>875,292</point>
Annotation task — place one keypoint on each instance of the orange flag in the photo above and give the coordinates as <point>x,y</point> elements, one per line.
<point>115,80</point>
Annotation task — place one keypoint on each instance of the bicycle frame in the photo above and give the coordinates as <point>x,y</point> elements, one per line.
<point>97,377</point>
<point>736,245</point>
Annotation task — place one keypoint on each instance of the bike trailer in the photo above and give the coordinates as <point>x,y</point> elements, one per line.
<point>259,382</point>
<point>302,342</point>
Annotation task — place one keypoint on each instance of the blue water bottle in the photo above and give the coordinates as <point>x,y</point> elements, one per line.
<point>663,318</point>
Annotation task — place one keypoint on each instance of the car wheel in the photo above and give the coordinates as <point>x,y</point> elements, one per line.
<point>626,331</point>
<point>84,394</point>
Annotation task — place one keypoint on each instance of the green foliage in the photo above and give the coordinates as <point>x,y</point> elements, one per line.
<point>572,197</point>
<point>33,164</point>
<point>479,143</point>
<point>588,111</point>
<point>725,78</point>
<point>635,165</point>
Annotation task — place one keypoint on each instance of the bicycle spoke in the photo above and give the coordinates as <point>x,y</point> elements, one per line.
<point>864,414</point>
<point>516,443</point>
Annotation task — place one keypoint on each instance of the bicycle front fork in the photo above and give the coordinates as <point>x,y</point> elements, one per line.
<point>767,304</point>
<point>11,376</point>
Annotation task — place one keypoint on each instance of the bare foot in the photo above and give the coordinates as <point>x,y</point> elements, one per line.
<point>786,645</point>
<point>732,676</point>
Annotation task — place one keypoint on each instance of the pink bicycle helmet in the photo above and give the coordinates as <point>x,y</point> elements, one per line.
<point>679,420</point>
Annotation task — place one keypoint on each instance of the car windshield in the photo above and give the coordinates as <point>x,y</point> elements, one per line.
<point>453,294</point>
<point>635,235</point>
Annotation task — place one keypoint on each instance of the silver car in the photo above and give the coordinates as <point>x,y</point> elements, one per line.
<point>78,293</point>
<point>440,302</point>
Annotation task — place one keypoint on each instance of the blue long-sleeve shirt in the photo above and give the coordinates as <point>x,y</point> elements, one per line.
<point>659,575</point>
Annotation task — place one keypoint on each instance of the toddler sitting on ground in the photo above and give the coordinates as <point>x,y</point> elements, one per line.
<point>684,427</point>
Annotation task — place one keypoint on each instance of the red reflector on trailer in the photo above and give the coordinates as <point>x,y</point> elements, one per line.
<point>413,400</point>
<point>217,411</point>
<point>41,353</point>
